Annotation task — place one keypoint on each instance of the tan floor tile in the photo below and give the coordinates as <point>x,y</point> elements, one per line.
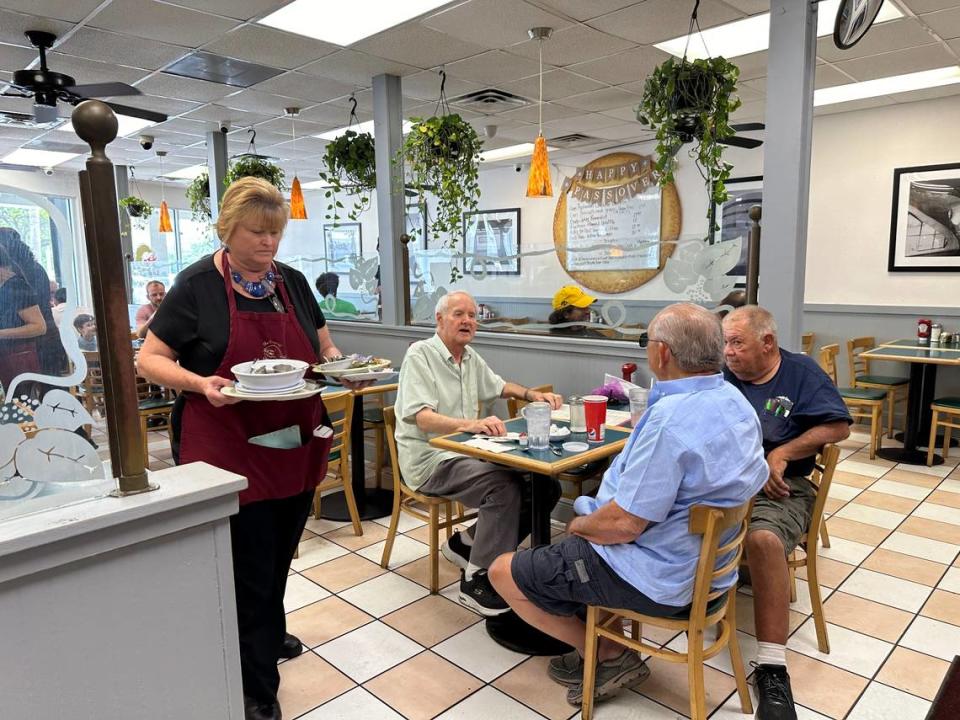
<point>829,572</point>
<point>943,605</point>
<point>372,533</point>
<point>864,457</point>
<point>667,685</point>
<point>922,527</point>
<point>423,686</point>
<point>419,571</point>
<point>852,479</point>
<point>913,672</point>
<point>856,531</point>
<point>343,572</point>
<point>431,620</point>
<point>824,688</point>
<point>309,681</point>
<point>528,683</point>
<point>658,635</point>
<point>907,567</point>
<point>324,620</point>
<point>422,534</point>
<point>306,535</point>
<point>913,478</point>
<point>902,505</point>
<point>942,497</point>
<point>866,616</point>
<point>833,504</point>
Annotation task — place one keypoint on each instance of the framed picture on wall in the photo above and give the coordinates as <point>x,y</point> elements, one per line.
<point>491,242</point>
<point>417,226</point>
<point>340,243</point>
<point>925,220</point>
<point>733,219</point>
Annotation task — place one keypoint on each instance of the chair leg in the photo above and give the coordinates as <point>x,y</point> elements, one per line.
<point>448,509</point>
<point>380,437</point>
<point>874,430</point>
<point>891,399</point>
<point>589,663</point>
<point>792,572</point>
<point>817,603</point>
<point>434,548</point>
<point>824,535</point>
<point>932,441</point>
<point>946,441</point>
<point>351,500</point>
<point>636,629</point>
<point>392,530</point>
<point>736,659</point>
<point>698,701</point>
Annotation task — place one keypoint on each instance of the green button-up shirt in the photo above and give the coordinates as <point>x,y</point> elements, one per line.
<point>430,378</point>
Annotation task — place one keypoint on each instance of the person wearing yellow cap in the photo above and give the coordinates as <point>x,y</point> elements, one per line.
<point>571,304</point>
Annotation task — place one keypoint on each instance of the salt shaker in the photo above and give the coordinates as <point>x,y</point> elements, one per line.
<point>935,331</point>
<point>578,416</point>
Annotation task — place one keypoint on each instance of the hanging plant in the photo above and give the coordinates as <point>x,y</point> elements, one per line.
<point>351,168</point>
<point>257,166</point>
<point>198,195</point>
<point>441,154</point>
<point>138,209</point>
<point>691,101</point>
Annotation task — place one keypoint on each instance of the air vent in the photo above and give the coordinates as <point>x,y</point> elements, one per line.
<point>572,140</point>
<point>54,146</point>
<point>25,120</point>
<point>201,65</point>
<point>489,100</point>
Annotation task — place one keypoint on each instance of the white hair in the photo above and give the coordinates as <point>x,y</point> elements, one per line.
<point>693,335</point>
<point>444,302</point>
<point>758,319</point>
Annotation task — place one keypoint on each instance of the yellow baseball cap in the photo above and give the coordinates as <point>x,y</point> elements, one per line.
<point>572,295</point>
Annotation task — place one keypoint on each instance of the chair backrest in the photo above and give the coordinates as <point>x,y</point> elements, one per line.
<point>821,477</point>
<point>806,343</point>
<point>390,425</point>
<point>711,522</point>
<point>859,365</point>
<point>336,403</point>
<point>514,404</point>
<point>828,360</point>
<point>92,384</point>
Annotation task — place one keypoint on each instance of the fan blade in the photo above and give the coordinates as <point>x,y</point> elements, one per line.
<point>746,127</point>
<point>138,113</point>
<point>19,95</point>
<point>741,142</point>
<point>102,90</point>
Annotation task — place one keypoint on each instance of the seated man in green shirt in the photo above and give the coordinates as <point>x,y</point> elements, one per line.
<point>443,383</point>
<point>327,285</point>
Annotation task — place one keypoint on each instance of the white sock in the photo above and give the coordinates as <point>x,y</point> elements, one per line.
<point>771,654</point>
<point>471,569</point>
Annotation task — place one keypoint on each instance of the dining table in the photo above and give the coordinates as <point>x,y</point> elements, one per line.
<point>924,361</point>
<point>543,467</point>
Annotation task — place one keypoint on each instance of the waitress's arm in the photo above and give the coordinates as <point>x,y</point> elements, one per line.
<point>33,325</point>
<point>327,348</point>
<point>157,362</point>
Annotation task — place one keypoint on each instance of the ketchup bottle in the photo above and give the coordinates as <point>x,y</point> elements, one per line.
<point>627,370</point>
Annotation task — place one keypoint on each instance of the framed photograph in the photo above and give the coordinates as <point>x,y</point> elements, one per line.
<point>417,226</point>
<point>733,217</point>
<point>925,220</point>
<point>340,242</point>
<point>491,241</point>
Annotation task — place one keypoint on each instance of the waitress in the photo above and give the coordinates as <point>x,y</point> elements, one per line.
<point>236,305</point>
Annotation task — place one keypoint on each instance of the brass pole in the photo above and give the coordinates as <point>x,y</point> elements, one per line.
<point>405,271</point>
<point>753,255</point>
<point>96,124</point>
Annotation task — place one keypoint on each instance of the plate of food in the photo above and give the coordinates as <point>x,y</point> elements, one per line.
<point>304,390</point>
<point>354,365</point>
<point>280,374</point>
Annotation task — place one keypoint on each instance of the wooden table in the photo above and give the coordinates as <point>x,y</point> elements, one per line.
<point>924,361</point>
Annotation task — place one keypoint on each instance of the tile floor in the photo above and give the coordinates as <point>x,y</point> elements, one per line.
<point>382,647</point>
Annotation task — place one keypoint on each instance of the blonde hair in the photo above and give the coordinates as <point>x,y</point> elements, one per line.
<point>251,201</point>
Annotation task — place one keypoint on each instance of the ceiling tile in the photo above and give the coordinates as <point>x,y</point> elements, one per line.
<point>157,21</point>
<point>184,127</point>
<point>826,76</point>
<point>218,113</point>
<point>425,85</point>
<point>239,139</point>
<point>13,25</point>
<point>529,114</point>
<point>575,44</point>
<point>626,131</point>
<point>270,47</point>
<point>73,11</point>
<point>16,58</point>
<point>305,87</point>
<point>627,112</point>
<point>753,110</point>
<point>928,94</point>
<point>89,71</point>
<point>304,146</point>
<point>264,103</point>
<point>895,35</point>
<point>925,6</point>
<point>585,124</point>
<point>898,62</point>
<point>629,66</point>
<point>750,7</point>
<point>239,9</point>
<point>282,125</point>
<point>945,23</point>
<point>332,114</point>
<point>602,99</point>
<point>494,67</point>
<point>657,20</point>
<point>557,84</point>
<point>168,106</point>
<point>493,23</point>
<point>356,68</point>
<point>112,47</point>
<point>586,10</point>
<point>417,45</point>
<point>865,104</point>
<point>173,86</point>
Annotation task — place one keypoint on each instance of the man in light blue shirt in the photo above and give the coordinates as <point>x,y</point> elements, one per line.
<point>699,442</point>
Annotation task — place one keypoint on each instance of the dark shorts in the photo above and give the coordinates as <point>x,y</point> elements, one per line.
<point>788,518</point>
<point>563,578</point>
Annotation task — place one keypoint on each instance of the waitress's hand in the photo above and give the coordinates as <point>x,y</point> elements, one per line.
<point>355,385</point>
<point>210,387</point>
<point>332,353</point>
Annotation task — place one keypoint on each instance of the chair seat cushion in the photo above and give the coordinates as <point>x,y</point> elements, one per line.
<point>155,404</point>
<point>712,606</point>
<point>373,415</point>
<point>883,380</point>
<point>335,455</point>
<point>862,393</point>
<point>953,402</point>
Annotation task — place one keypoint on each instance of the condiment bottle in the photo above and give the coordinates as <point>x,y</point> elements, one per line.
<point>578,416</point>
<point>923,331</point>
<point>935,331</point>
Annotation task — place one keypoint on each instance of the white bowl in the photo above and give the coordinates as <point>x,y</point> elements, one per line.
<point>341,368</point>
<point>270,381</point>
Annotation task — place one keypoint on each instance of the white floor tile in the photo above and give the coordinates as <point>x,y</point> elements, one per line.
<point>880,702</point>
<point>384,594</point>
<point>950,485</point>
<point>850,650</point>
<point>357,704</point>
<point>951,581</point>
<point>474,651</point>
<point>802,605</point>
<point>839,491</point>
<point>847,551</point>
<point>324,526</point>
<point>628,705</point>
<point>891,487</point>
<point>932,637</point>
<point>846,452</point>
<point>937,470</point>
<point>871,515</point>
<point>862,468</point>
<point>920,547</point>
<point>721,661</point>
<point>489,703</point>
<point>886,589</point>
<point>368,651</point>
<point>404,524</point>
<point>301,592</point>
<point>315,551</point>
<point>730,710</point>
<point>404,550</point>
<point>940,513</point>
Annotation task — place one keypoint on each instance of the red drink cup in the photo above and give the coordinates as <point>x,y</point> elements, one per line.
<point>595,409</point>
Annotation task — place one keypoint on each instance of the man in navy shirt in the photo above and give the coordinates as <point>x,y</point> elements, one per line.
<point>800,411</point>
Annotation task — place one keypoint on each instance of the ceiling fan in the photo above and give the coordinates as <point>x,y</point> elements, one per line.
<point>47,87</point>
<point>689,129</point>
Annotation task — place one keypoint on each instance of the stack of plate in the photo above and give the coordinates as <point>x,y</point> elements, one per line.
<point>271,391</point>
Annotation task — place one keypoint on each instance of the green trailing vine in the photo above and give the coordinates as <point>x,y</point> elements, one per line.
<point>198,195</point>
<point>254,166</point>
<point>138,209</point>
<point>351,168</point>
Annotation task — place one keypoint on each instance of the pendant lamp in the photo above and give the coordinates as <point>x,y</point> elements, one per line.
<point>165,225</point>
<point>539,184</point>
<point>298,210</point>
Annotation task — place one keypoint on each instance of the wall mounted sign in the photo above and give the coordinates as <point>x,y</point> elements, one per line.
<point>925,225</point>
<point>614,227</point>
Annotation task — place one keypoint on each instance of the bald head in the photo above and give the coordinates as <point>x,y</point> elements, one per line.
<point>754,318</point>
<point>693,335</point>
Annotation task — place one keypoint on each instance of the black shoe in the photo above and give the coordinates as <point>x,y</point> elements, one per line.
<point>773,688</point>
<point>478,594</point>
<point>291,647</point>
<point>456,551</point>
<point>256,710</point>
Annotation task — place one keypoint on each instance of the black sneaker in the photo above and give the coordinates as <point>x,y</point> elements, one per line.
<point>478,594</point>
<point>773,688</point>
<point>456,551</point>
<point>291,647</point>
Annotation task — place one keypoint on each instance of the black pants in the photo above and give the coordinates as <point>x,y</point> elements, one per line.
<point>264,536</point>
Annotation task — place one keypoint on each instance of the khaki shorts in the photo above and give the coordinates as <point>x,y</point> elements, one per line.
<point>789,517</point>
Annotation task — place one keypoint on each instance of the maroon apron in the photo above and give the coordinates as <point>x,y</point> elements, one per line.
<point>219,435</point>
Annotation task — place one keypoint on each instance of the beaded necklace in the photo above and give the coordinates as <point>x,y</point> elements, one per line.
<point>263,287</point>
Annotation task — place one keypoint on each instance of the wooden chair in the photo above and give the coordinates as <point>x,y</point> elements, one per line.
<point>709,608</point>
<point>863,403</point>
<point>575,476</point>
<point>806,343</point>
<point>950,407</point>
<point>155,406</point>
<point>91,389</point>
<point>896,388</point>
<point>336,403</point>
<point>822,477</point>
<point>406,499</point>
<point>373,420</point>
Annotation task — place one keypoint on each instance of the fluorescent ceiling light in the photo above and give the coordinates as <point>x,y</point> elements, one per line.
<point>364,127</point>
<point>344,23</point>
<point>752,34</point>
<point>39,158</point>
<point>887,86</point>
<point>187,173</point>
<point>126,125</point>
<point>511,151</point>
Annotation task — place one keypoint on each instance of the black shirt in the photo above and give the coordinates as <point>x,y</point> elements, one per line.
<point>15,295</point>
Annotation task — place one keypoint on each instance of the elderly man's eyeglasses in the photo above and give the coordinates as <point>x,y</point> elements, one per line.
<point>644,340</point>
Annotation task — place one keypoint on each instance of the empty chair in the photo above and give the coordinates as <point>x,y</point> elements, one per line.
<point>949,407</point>
<point>896,388</point>
<point>806,343</point>
<point>862,403</point>
<point>338,463</point>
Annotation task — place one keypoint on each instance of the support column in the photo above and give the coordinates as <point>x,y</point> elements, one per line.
<point>120,173</point>
<point>791,64</point>
<point>217,167</point>
<point>388,132</point>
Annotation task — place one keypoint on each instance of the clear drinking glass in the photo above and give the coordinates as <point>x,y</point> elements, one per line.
<point>638,404</point>
<point>537,415</point>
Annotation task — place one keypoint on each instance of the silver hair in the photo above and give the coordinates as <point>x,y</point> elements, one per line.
<point>693,334</point>
<point>758,319</point>
<point>444,302</point>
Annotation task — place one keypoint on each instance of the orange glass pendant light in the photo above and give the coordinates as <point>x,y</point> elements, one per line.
<point>165,224</point>
<point>539,183</point>
<point>298,210</point>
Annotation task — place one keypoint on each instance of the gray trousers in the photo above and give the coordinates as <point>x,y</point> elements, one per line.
<point>501,497</point>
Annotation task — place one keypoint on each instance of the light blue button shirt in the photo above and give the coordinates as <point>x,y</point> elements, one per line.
<point>698,443</point>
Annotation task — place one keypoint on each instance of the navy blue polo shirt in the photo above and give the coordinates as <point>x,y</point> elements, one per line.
<point>800,396</point>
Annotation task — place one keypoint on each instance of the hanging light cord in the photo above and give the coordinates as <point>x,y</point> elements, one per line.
<point>540,104</point>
